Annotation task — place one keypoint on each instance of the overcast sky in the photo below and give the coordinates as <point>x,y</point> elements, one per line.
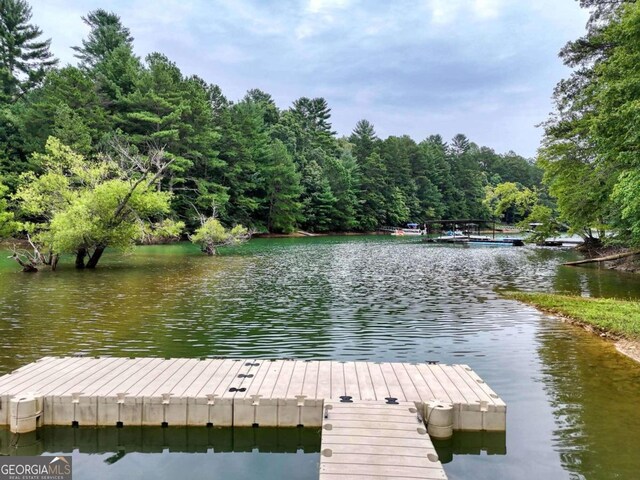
<point>485,68</point>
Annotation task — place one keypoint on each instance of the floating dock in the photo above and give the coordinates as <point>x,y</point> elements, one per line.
<point>364,408</point>
<point>466,240</point>
<point>369,439</point>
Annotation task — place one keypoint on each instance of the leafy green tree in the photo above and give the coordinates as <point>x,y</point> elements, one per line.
<point>591,138</point>
<point>7,223</point>
<point>510,202</point>
<point>211,235</point>
<point>106,35</point>
<point>24,58</point>
<point>626,198</point>
<point>581,189</point>
<point>545,225</point>
<point>166,230</point>
<point>83,206</point>
<point>615,125</point>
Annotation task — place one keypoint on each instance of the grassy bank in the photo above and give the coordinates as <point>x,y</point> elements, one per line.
<point>618,317</point>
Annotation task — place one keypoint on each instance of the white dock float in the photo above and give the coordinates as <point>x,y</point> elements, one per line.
<point>107,391</point>
<point>373,439</point>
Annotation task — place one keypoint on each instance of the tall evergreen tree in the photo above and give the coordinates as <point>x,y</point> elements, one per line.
<point>399,155</point>
<point>24,58</point>
<point>68,107</point>
<point>343,175</point>
<point>107,34</point>
<point>371,197</point>
<point>281,183</point>
<point>364,139</point>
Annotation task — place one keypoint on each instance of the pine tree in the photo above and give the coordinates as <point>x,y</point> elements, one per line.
<point>24,59</point>
<point>281,183</point>
<point>371,197</point>
<point>68,107</point>
<point>364,139</point>
<point>107,34</point>
<point>318,200</point>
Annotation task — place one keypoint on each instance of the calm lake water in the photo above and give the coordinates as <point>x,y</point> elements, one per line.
<point>572,400</point>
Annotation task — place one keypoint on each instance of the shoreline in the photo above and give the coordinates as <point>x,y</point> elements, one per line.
<point>629,348</point>
<point>625,343</point>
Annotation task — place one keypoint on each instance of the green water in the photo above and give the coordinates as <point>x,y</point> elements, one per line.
<point>572,400</point>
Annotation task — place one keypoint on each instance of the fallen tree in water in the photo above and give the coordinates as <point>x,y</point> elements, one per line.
<point>30,260</point>
<point>606,258</point>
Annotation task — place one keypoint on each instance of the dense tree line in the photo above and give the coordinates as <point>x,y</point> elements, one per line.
<point>260,166</point>
<point>591,149</point>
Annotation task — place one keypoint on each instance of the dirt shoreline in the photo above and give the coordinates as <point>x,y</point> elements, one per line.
<point>630,348</point>
<point>626,346</point>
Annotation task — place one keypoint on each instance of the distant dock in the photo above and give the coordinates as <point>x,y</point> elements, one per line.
<point>371,413</point>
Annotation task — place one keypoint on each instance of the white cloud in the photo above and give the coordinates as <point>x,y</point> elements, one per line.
<point>320,16</point>
<point>487,9</point>
<point>443,12</point>
<point>446,12</point>
<point>325,6</point>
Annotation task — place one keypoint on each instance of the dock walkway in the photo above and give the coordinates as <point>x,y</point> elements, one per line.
<point>373,439</point>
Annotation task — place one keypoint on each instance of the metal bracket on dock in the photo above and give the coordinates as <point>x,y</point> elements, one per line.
<point>346,399</point>
<point>255,402</point>
<point>166,399</point>
<point>75,399</point>
<point>120,401</point>
<point>300,402</point>
<point>327,407</point>
<point>211,401</point>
